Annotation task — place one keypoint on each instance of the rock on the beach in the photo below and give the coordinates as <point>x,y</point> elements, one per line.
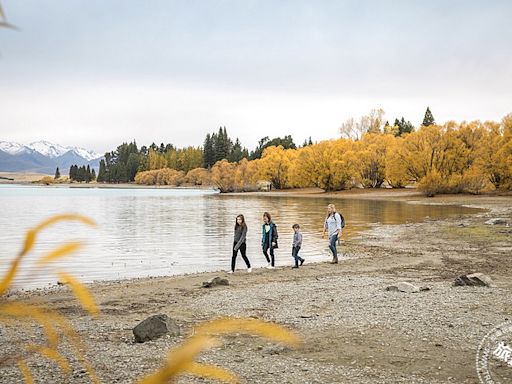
<point>403,287</point>
<point>497,221</point>
<point>473,280</point>
<point>215,281</point>
<point>154,327</point>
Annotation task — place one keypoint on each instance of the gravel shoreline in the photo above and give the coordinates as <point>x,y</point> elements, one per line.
<point>353,330</point>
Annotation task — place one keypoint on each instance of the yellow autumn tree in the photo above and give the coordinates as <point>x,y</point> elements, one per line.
<point>246,175</point>
<point>325,165</point>
<point>369,159</point>
<point>223,175</point>
<point>163,176</point>
<point>496,157</point>
<point>198,176</point>
<point>156,160</point>
<point>275,164</point>
<point>397,175</point>
<point>184,159</point>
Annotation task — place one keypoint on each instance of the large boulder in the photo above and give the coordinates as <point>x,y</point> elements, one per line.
<point>473,280</point>
<point>154,327</point>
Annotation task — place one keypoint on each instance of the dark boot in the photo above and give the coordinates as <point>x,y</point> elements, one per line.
<point>334,260</point>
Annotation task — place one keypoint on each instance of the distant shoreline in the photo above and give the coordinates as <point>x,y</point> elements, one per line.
<point>403,194</point>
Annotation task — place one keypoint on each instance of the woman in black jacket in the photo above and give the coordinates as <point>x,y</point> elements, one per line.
<point>269,239</point>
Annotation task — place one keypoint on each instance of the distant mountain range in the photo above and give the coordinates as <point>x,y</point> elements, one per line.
<point>44,157</point>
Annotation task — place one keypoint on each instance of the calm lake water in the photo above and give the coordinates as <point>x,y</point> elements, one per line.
<point>158,232</point>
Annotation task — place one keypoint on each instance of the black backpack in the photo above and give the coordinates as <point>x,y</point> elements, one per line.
<point>342,220</point>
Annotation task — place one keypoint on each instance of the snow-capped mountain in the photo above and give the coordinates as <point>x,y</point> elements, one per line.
<point>47,149</point>
<point>44,157</point>
<point>12,148</point>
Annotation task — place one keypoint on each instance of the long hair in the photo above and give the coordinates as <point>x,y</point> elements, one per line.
<point>267,215</point>
<point>243,225</point>
<point>333,207</point>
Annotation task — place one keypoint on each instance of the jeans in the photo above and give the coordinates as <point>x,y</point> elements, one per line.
<point>266,248</point>
<point>242,249</point>
<point>332,245</point>
<point>295,254</point>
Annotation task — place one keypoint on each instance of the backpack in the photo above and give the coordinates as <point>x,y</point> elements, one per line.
<point>342,220</point>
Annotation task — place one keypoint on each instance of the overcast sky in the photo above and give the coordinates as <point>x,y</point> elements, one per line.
<point>95,73</point>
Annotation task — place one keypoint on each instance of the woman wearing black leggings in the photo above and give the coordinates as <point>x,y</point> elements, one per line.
<point>239,243</point>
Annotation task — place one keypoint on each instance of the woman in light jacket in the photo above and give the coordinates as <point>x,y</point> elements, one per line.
<point>333,225</point>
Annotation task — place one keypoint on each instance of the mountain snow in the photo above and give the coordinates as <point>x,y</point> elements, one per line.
<point>47,149</point>
<point>12,148</point>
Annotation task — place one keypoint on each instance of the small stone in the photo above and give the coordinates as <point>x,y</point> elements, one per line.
<point>497,221</point>
<point>215,281</point>
<point>407,287</point>
<point>473,280</point>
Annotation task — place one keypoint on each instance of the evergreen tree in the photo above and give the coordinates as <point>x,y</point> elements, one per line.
<point>88,175</point>
<point>221,145</point>
<point>405,127</point>
<point>208,152</point>
<point>102,172</point>
<point>93,175</point>
<point>428,119</point>
<point>57,173</point>
<point>132,165</point>
<point>286,142</point>
<point>307,142</point>
<point>236,153</point>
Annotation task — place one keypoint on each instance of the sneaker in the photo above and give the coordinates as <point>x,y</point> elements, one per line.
<point>230,271</point>
<point>302,262</point>
<point>270,267</point>
<point>249,270</point>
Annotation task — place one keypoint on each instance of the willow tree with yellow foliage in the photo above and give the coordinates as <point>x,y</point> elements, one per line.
<point>368,159</point>
<point>496,159</point>
<point>275,166</point>
<point>325,165</point>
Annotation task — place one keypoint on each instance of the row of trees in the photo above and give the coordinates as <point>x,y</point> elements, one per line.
<point>121,165</point>
<point>467,157</point>
<point>218,146</point>
<point>80,174</point>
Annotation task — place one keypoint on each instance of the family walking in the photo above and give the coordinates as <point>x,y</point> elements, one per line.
<point>333,225</point>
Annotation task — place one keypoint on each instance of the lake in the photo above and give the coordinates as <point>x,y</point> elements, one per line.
<point>161,232</point>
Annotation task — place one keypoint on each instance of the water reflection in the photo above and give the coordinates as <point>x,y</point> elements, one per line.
<point>155,232</point>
